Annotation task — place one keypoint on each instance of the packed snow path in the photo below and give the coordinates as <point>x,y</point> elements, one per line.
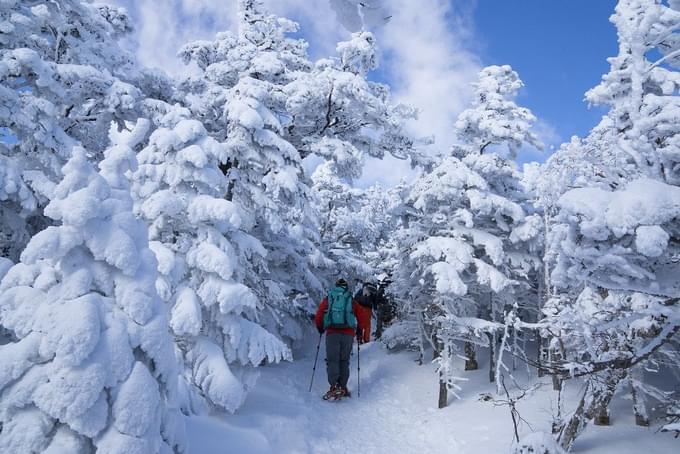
<point>396,413</point>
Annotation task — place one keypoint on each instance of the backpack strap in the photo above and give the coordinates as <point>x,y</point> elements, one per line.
<point>348,307</point>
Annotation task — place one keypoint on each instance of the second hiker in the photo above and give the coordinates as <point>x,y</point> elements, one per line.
<point>366,298</point>
<point>337,315</point>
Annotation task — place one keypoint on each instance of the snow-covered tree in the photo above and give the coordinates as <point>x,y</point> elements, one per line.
<point>261,51</point>
<point>210,266</point>
<point>89,365</point>
<point>491,132</point>
<point>619,240</point>
<point>574,164</point>
<point>465,245</point>
<point>615,273</point>
<point>354,225</point>
<point>239,95</point>
<point>63,80</point>
<point>458,247</point>
<point>338,114</point>
<point>62,61</point>
<point>614,242</point>
<point>259,93</point>
<point>641,89</point>
<point>494,122</point>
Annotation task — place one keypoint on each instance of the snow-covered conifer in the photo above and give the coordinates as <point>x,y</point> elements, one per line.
<point>456,244</point>
<point>614,246</point>
<point>353,224</point>
<point>63,80</point>
<point>614,268</point>
<point>261,51</point>
<point>62,68</point>
<point>641,90</point>
<point>240,96</point>
<point>258,92</point>
<point>210,266</point>
<point>465,245</point>
<point>494,119</point>
<point>339,115</point>
<point>89,365</point>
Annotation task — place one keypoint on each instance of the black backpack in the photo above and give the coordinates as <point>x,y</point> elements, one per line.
<point>369,301</point>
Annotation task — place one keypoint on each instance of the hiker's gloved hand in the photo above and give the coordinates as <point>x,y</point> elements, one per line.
<point>320,329</point>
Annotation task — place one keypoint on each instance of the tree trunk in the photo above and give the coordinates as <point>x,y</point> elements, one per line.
<point>557,383</point>
<point>443,389</point>
<point>576,423</point>
<point>516,349</point>
<point>471,357</point>
<point>593,405</point>
<point>556,379</point>
<point>640,409</point>
<point>540,354</point>
<point>492,341</point>
<point>226,167</point>
<point>639,404</point>
<point>557,419</point>
<point>543,297</point>
<point>492,359</point>
<point>601,416</point>
<point>602,396</point>
<point>443,392</point>
<point>539,339</point>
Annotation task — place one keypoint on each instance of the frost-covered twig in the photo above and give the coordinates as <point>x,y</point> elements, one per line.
<point>511,402</point>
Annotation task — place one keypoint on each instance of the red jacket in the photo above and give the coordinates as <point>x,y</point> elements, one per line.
<point>318,319</point>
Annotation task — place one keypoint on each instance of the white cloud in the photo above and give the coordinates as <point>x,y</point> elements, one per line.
<point>162,27</point>
<point>386,172</point>
<point>428,64</point>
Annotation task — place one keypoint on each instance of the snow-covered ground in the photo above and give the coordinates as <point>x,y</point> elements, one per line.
<point>396,413</point>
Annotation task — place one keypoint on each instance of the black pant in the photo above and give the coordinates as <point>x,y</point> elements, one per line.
<point>338,351</point>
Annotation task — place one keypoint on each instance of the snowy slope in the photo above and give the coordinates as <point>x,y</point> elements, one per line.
<point>396,413</point>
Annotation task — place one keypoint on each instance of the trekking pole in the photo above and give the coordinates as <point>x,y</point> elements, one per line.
<point>316,358</point>
<point>358,369</point>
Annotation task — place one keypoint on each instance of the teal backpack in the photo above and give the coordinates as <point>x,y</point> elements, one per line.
<point>339,313</point>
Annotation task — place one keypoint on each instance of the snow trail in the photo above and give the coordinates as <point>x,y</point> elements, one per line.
<point>395,413</point>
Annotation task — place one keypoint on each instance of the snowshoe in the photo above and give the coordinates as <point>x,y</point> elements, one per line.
<point>341,393</point>
<point>332,393</point>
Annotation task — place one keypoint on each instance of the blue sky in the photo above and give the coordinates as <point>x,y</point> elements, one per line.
<point>558,47</point>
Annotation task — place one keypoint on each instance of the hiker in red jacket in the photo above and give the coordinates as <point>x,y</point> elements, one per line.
<point>337,315</point>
